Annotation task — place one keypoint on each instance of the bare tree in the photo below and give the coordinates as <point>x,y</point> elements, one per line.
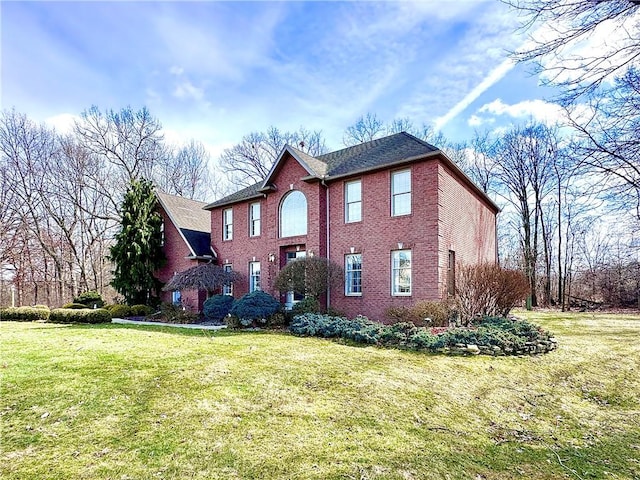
<point>184,171</point>
<point>560,26</point>
<point>524,160</point>
<point>608,141</point>
<point>130,140</point>
<point>249,161</point>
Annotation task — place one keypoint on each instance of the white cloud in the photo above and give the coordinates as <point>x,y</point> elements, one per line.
<point>539,110</point>
<point>186,90</point>
<point>494,76</point>
<point>175,70</point>
<point>63,123</point>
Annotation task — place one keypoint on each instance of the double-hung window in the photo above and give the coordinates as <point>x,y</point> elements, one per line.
<point>353,201</point>
<point>254,276</point>
<point>401,272</point>
<point>227,288</point>
<point>353,275</point>
<point>227,224</point>
<point>401,193</point>
<point>254,219</point>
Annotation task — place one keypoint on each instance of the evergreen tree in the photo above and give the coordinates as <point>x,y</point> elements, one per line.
<point>137,253</point>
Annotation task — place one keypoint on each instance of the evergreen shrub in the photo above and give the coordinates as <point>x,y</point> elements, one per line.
<point>90,299</point>
<point>25,314</point>
<point>120,311</point>
<point>510,336</point>
<point>141,310</point>
<point>87,315</point>
<point>217,307</point>
<point>255,308</point>
<point>75,306</point>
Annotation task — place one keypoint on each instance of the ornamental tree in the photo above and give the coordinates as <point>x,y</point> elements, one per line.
<point>137,253</point>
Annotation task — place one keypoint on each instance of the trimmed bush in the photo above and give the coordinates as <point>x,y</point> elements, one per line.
<point>74,306</point>
<point>120,311</point>
<point>217,307</point>
<point>141,310</point>
<point>255,308</point>
<point>306,305</point>
<point>25,314</point>
<point>90,299</point>
<point>87,315</point>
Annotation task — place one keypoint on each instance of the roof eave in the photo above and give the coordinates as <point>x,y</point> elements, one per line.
<point>213,205</point>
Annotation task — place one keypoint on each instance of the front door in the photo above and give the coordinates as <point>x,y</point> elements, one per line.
<point>292,298</point>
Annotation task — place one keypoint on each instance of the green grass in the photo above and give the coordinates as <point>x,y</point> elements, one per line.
<point>119,402</point>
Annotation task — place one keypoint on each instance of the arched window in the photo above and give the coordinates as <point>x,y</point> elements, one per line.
<point>293,214</point>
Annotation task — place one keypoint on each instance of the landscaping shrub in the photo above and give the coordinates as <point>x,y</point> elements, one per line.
<point>141,310</point>
<point>255,308</point>
<point>87,315</point>
<point>217,307</point>
<point>306,305</point>
<point>488,290</point>
<point>25,314</point>
<point>120,311</point>
<point>494,336</point>
<point>74,306</point>
<point>90,299</point>
<point>177,314</point>
<point>310,276</point>
<point>423,314</point>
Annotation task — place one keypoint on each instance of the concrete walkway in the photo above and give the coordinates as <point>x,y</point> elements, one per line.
<point>123,321</point>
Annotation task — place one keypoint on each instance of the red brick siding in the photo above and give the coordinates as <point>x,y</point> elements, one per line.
<point>378,234</point>
<point>176,250</point>
<point>244,249</point>
<point>467,224</point>
<point>443,213</point>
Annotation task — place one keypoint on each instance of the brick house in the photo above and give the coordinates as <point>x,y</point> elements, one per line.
<point>186,233</point>
<point>395,212</point>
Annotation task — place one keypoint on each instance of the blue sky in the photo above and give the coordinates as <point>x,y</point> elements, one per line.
<point>215,71</point>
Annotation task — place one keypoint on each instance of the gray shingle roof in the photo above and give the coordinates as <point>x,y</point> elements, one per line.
<point>366,156</point>
<point>244,194</point>
<point>375,154</point>
<point>193,223</point>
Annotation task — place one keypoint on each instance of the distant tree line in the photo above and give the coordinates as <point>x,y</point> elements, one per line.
<point>570,192</point>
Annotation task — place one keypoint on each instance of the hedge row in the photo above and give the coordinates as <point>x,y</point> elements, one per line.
<point>493,335</point>
<point>87,315</point>
<point>25,314</point>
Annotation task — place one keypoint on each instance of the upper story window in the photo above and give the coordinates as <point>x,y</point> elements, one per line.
<point>353,274</point>
<point>254,219</point>
<point>353,201</point>
<point>227,224</point>
<point>162,233</point>
<point>401,193</point>
<point>293,214</point>
<point>401,272</point>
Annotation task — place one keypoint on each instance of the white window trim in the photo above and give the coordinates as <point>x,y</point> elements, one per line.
<point>346,270</point>
<point>253,220</point>
<point>393,270</point>
<point>227,227</point>
<point>280,220</point>
<point>347,202</point>
<point>253,276</point>
<point>394,194</point>
<point>227,289</point>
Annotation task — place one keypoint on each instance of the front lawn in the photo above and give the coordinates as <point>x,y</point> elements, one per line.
<point>120,402</point>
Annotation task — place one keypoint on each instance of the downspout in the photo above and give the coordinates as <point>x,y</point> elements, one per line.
<point>328,241</point>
